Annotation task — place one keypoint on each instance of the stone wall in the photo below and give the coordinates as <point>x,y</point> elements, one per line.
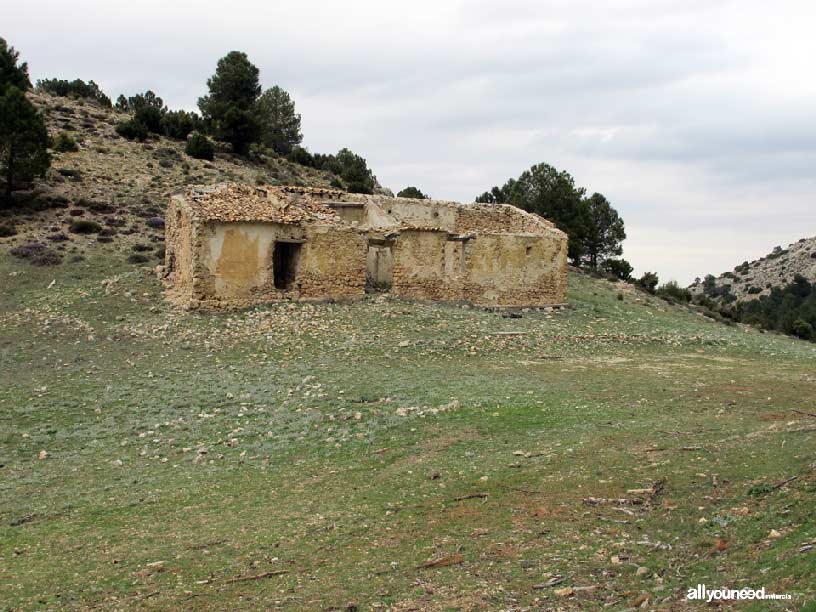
<point>419,265</point>
<point>503,218</point>
<point>488,270</point>
<point>234,266</point>
<point>515,270</point>
<point>407,211</point>
<point>178,253</point>
<point>488,255</point>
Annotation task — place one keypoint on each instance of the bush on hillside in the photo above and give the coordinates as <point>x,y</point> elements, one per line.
<point>83,226</point>
<point>74,89</point>
<point>648,281</point>
<point>137,258</point>
<point>619,268</point>
<point>37,253</point>
<point>350,167</point>
<point>64,143</point>
<point>131,130</point>
<point>802,329</point>
<point>200,147</point>
<point>301,156</point>
<point>150,117</point>
<point>180,124</point>
<point>674,293</point>
<point>7,230</point>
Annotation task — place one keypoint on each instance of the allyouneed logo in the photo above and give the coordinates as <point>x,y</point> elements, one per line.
<point>703,593</point>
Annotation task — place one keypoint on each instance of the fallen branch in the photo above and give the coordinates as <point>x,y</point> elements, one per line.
<point>656,545</point>
<point>610,501</point>
<point>779,485</point>
<point>206,545</point>
<point>454,559</point>
<point>471,496</point>
<point>650,493</point>
<point>508,333</point>
<point>257,576</point>
<point>520,490</point>
<point>555,580</point>
<point>810,414</point>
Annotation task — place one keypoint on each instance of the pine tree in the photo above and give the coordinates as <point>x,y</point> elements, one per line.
<point>604,232</point>
<point>280,124</point>
<point>229,110</point>
<point>23,140</point>
<point>10,72</point>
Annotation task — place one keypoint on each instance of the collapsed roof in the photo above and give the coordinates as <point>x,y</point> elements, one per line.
<point>230,202</point>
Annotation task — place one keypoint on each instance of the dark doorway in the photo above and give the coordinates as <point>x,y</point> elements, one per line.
<point>284,264</point>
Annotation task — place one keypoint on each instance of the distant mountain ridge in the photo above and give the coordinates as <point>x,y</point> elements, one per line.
<point>749,280</point>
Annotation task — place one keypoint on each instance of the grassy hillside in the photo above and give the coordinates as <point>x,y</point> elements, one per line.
<point>392,456</point>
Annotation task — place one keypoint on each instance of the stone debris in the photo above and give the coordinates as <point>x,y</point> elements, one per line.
<point>239,202</point>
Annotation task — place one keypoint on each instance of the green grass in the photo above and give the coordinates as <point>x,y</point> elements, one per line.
<point>339,437</point>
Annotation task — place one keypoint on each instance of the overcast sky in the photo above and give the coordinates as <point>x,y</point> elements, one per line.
<point>697,119</point>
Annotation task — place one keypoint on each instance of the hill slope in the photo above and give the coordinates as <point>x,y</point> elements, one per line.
<point>752,279</point>
<point>119,184</point>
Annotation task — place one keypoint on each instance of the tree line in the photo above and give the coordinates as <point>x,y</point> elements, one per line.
<point>790,309</point>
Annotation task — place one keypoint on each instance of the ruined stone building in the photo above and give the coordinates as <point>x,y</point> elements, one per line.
<point>232,245</point>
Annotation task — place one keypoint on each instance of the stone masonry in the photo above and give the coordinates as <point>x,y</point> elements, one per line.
<point>235,245</point>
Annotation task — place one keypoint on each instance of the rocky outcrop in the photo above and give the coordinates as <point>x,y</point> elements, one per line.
<point>752,279</point>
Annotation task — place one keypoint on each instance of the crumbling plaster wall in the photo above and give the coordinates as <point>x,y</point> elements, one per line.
<point>515,270</point>
<point>419,265</point>
<point>390,212</point>
<point>488,270</point>
<point>235,269</point>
